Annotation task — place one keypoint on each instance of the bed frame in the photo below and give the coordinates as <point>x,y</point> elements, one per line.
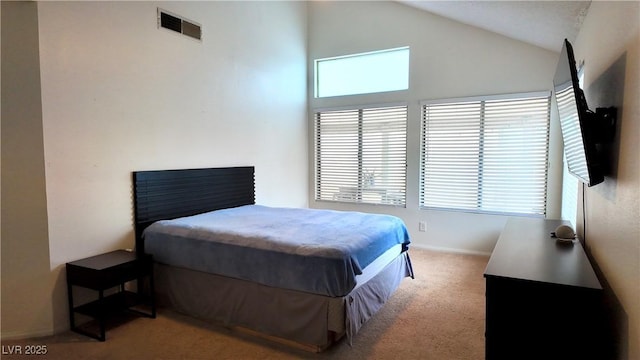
<point>304,320</point>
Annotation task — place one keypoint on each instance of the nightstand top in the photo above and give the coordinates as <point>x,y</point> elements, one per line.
<point>106,260</point>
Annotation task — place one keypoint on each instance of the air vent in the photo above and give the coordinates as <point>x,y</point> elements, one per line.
<point>175,23</point>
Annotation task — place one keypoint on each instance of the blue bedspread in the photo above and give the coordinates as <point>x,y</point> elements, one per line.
<point>317,251</point>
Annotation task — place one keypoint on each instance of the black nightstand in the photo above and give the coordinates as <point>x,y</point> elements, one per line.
<point>104,272</point>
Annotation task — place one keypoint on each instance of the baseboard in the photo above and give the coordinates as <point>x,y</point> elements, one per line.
<point>451,250</point>
<point>19,335</point>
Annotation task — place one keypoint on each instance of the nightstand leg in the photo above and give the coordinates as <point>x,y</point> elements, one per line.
<point>153,296</point>
<point>72,321</point>
<point>102,316</point>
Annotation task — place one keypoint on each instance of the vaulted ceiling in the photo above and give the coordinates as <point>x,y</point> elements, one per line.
<point>540,23</point>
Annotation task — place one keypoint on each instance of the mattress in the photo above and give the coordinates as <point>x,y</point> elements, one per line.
<point>316,251</point>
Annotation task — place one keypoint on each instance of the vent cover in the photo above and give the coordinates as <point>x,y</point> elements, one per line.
<point>175,23</point>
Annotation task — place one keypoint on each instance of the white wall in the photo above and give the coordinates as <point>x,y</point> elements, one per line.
<point>609,44</point>
<point>120,95</point>
<point>26,281</point>
<point>448,59</point>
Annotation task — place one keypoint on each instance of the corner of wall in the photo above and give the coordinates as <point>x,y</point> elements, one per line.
<point>26,295</point>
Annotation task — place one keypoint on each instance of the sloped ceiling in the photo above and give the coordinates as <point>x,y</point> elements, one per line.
<point>540,23</point>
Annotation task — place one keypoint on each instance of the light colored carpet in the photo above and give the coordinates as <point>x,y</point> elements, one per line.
<point>438,315</point>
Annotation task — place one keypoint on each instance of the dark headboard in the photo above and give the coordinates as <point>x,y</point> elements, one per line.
<point>169,194</point>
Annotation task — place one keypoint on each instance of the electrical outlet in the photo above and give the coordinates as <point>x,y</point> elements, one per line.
<point>422,226</point>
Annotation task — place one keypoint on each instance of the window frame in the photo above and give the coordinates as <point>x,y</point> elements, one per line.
<point>422,203</point>
<point>317,75</point>
<point>360,171</point>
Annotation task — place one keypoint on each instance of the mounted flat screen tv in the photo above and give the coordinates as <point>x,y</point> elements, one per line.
<point>582,129</point>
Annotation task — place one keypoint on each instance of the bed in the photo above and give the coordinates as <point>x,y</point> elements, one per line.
<point>301,276</point>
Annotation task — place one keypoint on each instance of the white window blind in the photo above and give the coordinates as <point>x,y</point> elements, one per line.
<point>486,155</point>
<point>361,155</point>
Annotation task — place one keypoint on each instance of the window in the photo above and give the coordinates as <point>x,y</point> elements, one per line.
<point>361,155</point>
<point>486,155</point>
<point>386,70</point>
<point>570,183</point>
<point>569,210</point>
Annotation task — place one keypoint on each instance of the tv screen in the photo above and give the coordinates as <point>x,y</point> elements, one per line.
<point>576,121</point>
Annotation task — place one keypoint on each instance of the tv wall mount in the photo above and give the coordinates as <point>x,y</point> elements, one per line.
<point>602,124</point>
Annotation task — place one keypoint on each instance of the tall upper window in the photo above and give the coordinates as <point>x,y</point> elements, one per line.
<point>486,155</point>
<point>570,183</point>
<point>371,72</point>
<point>361,155</point>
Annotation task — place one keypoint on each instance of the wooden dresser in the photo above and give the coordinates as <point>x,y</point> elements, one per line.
<point>543,299</point>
